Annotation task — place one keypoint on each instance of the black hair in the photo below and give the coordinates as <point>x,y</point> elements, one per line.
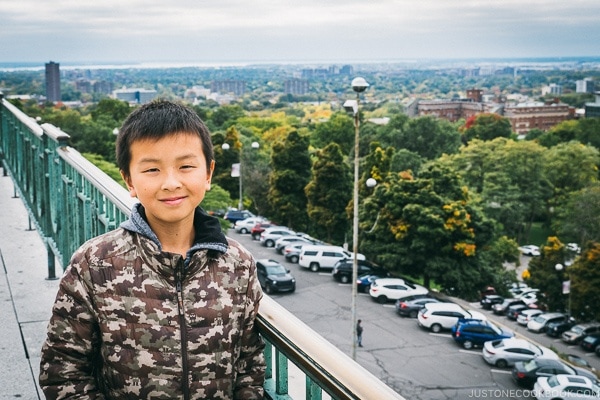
<point>156,120</point>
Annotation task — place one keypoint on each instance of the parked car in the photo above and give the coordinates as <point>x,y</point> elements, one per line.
<point>438,316</point>
<point>245,225</point>
<point>526,373</point>
<point>539,323</point>
<point>319,257</point>
<point>234,216</point>
<point>273,276</point>
<point>386,289</point>
<point>556,329</point>
<point>565,387</point>
<point>506,352</point>
<point>291,252</point>
<point>342,270</point>
<point>590,342</point>
<point>410,308</point>
<point>512,312</point>
<point>364,281</point>
<point>580,331</point>
<point>287,239</point>
<point>530,250</point>
<point>270,235</point>
<point>526,315</point>
<point>517,288</point>
<point>500,308</point>
<point>473,332</point>
<point>489,300</point>
<point>259,228</point>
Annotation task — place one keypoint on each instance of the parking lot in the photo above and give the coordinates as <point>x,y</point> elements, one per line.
<point>416,363</point>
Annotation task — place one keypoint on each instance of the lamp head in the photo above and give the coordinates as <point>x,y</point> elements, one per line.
<point>351,106</point>
<point>359,84</point>
<point>371,182</point>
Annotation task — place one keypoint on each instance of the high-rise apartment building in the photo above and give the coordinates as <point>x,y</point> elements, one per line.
<point>52,81</point>
<point>585,86</point>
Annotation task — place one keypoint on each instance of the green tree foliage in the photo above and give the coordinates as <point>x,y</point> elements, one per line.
<point>579,218</point>
<point>585,281</point>
<point>338,129</point>
<point>112,109</point>
<point>224,159</point>
<point>545,277</point>
<point>565,131</point>
<point>589,132</point>
<point>510,178</point>
<point>290,173</point>
<point>428,227</point>
<point>487,126</point>
<point>570,167</point>
<point>226,116</point>
<point>427,136</point>
<point>328,194</point>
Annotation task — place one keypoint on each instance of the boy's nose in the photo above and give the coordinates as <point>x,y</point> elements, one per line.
<point>171,181</point>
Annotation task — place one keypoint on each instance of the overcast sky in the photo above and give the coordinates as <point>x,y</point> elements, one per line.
<point>132,31</point>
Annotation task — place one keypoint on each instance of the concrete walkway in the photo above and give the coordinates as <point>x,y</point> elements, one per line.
<point>26,298</point>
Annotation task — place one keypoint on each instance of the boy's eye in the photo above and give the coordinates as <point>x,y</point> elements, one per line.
<point>187,166</point>
<point>150,170</point>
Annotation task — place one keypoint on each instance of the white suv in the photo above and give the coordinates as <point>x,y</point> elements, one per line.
<point>323,257</point>
<point>386,289</point>
<point>438,316</point>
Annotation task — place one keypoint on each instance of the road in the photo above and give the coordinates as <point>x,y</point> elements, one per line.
<point>414,362</point>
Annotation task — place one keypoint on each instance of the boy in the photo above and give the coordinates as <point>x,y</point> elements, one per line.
<point>163,307</point>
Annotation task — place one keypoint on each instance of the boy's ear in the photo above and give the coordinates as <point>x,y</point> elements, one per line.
<point>127,180</point>
<point>209,174</point>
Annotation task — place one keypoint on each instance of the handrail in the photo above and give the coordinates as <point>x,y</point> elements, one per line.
<point>70,200</point>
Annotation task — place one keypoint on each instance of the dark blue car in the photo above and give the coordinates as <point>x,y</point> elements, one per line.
<point>475,332</point>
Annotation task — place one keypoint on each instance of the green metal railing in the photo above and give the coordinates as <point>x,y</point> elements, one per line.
<point>70,200</point>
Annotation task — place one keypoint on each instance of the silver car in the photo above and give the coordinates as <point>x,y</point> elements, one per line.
<point>506,352</point>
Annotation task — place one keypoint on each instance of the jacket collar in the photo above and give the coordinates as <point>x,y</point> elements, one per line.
<point>209,235</point>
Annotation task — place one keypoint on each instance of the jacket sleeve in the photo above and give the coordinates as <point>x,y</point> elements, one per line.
<point>71,346</point>
<point>251,364</point>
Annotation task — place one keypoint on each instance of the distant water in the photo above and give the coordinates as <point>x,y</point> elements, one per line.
<point>33,66</point>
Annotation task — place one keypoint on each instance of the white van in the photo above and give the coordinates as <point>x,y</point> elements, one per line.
<point>323,257</point>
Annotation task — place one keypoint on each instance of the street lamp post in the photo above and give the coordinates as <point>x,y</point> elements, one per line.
<point>565,288</point>
<point>225,146</point>
<point>359,85</point>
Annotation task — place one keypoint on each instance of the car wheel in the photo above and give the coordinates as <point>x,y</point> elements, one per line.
<point>468,344</point>
<point>344,279</point>
<point>314,267</point>
<point>244,230</point>
<point>436,328</point>
<point>269,289</point>
<point>413,314</point>
<point>501,364</point>
<point>294,259</point>
<point>269,243</point>
<point>382,299</point>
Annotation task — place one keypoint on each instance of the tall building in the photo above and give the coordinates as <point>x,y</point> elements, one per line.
<point>585,86</point>
<point>296,86</point>
<point>52,81</point>
<point>236,87</point>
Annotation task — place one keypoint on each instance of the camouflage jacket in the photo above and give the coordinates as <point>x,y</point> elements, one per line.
<point>133,322</point>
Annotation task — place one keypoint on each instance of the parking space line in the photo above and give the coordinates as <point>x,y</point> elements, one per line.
<point>500,371</point>
<point>477,353</point>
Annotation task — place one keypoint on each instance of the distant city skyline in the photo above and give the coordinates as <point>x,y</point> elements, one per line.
<point>232,31</point>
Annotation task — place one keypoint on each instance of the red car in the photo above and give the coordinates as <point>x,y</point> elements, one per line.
<point>259,228</point>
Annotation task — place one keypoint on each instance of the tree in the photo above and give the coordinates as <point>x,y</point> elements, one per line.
<point>545,277</point>
<point>579,218</point>
<point>428,227</point>
<point>328,194</point>
<point>487,126</point>
<point>338,129</point>
<point>290,173</point>
<point>429,137</point>
<point>584,275</point>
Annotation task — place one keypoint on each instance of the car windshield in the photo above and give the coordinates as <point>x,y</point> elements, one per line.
<point>577,329</point>
<point>540,319</point>
<point>530,365</point>
<point>497,330</point>
<point>276,270</point>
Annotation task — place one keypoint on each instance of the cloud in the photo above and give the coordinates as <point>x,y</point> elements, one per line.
<point>269,29</point>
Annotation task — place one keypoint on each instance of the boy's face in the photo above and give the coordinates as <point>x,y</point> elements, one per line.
<point>169,177</point>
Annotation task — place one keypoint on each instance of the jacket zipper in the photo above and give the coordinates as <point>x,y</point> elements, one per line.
<point>185,386</point>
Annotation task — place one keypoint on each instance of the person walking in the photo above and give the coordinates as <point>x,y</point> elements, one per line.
<point>359,332</point>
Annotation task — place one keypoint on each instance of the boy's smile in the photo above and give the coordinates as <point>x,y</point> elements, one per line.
<point>169,177</point>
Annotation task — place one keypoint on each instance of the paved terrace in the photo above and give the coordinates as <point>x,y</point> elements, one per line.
<point>26,298</point>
